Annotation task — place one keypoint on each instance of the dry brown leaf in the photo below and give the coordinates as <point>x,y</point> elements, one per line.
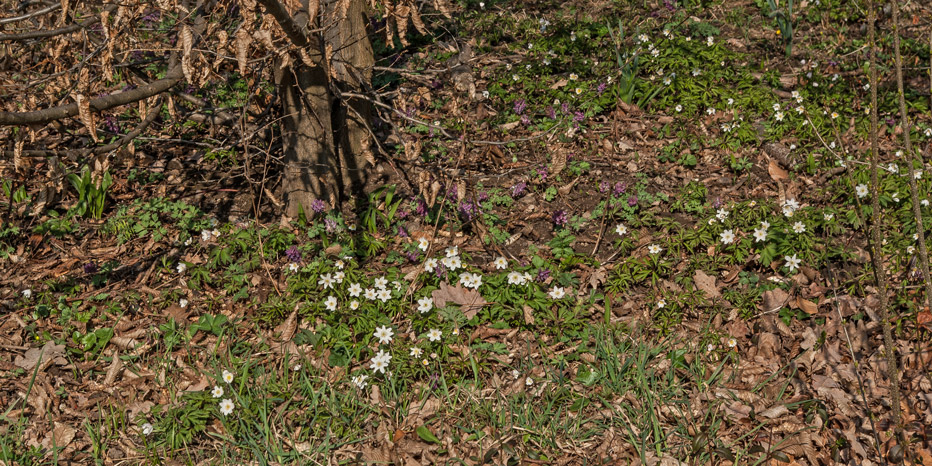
<point>243,39</point>
<point>774,299</point>
<point>775,412</point>
<point>48,352</point>
<point>807,306</point>
<point>116,366</point>
<point>777,172</point>
<point>706,283</point>
<point>528,315</point>
<point>59,437</point>
<point>84,111</point>
<point>470,301</point>
<point>559,163</point>
<point>287,328</point>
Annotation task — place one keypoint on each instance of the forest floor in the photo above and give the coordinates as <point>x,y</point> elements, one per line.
<point>652,248</point>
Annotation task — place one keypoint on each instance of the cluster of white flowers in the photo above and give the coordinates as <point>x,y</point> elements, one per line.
<point>518,278</point>
<point>789,207</point>
<point>380,361</point>
<point>206,235</point>
<point>360,381</point>
<point>471,280</point>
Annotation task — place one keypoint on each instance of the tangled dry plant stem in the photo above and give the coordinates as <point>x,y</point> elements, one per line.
<point>875,242</point>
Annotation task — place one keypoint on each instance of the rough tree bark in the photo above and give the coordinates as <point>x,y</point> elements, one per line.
<point>326,138</point>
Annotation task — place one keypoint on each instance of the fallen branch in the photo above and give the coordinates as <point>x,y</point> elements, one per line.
<point>98,105</point>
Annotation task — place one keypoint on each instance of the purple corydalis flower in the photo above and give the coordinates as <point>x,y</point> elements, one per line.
<point>543,274</point>
<point>90,268</point>
<point>560,218</point>
<point>542,173</point>
<point>632,201</point>
<point>112,124</point>
<point>599,90</point>
<point>579,117</point>
<point>518,189</point>
<point>565,108</point>
<point>294,254</point>
<point>619,188</point>
<point>525,120</point>
<point>520,106</point>
<point>483,196</point>
<point>468,210</point>
<point>551,113</point>
<point>421,208</point>
<point>319,206</point>
<point>604,186</point>
<point>331,225</point>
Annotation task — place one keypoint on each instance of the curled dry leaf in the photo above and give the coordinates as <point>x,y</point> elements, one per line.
<point>528,315</point>
<point>84,111</point>
<point>807,306</point>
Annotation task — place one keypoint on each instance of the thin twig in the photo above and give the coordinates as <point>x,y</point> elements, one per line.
<point>876,252</point>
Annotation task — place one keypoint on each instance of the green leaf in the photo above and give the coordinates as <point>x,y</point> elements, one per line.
<point>426,435</point>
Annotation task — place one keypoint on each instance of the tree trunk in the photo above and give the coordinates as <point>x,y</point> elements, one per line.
<point>310,162</point>
<point>353,60</point>
<point>326,139</point>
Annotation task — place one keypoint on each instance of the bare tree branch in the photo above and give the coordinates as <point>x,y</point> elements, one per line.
<point>53,32</point>
<point>98,105</point>
<point>292,29</point>
<point>33,14</point>
<point>126,139</point>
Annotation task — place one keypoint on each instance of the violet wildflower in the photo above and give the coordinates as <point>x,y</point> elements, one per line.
<point>551,113</point>
<point>599,90</point>
<point>520,106</point>
<point>90,268</point>
<point>112,124</point>
<point>565,108</point>
<point>560,218</point>
<point>402,233</point>
<point>518,189</point>
<point>604,186</point>
<point>468,210</point>
<point>525,120</point>
<point>421,208</point>
<point>331,225</point>
<point>483,196</point>
<point>293,254</point>
<point>319,206</point>
<point>542,173</point>
<point>632,201</point>
<point>579,117</point>
<point>619,189</point>
<point>543,274</point>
